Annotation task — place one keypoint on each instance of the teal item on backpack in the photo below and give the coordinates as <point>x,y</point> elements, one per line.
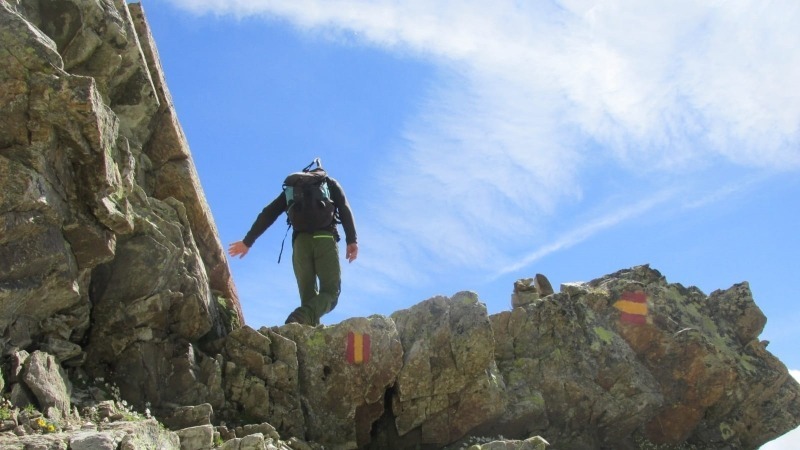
<point>309,206</point>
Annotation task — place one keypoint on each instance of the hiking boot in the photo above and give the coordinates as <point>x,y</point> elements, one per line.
<point>542,285</point>
<point>298,316</point>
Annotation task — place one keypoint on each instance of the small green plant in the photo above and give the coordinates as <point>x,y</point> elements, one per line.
<point>115,408</point>
<point>129,416</point>
<point>29,409</point>
<point>5,413</point>
<point>229,317</point>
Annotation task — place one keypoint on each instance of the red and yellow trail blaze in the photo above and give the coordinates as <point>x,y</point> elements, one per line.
<point>633,307</point>
<point>358,348</point>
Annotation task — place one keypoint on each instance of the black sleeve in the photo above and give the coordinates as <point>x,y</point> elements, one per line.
<point>345,214</point>
<point>267,217</point>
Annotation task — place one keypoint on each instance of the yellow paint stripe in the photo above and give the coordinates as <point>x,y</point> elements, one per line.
<point>631,307</point>
<point>358,348</point>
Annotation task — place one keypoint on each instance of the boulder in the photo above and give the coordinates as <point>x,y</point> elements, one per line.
<point>664,364</point>
<point>449,383</point>
<point>49,383</point>
<point>262,378</point>
<point>252,442</point>
<point>344,373</point>
<point>264,429</point>
<point>107,440</point>
<point>189,416</point>
<point>568,376</point>
<point>533,443</point>
<point>196,438</point>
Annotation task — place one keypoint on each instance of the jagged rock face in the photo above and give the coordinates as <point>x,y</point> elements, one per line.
<point>449,383</point>
<point>569,377</point>
<point>261,375</point>
<point>620,362</point>
<point>630,358</point>
<point>110,257</point>
<point>341,395</point>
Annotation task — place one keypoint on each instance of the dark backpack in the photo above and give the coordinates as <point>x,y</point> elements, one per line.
<point>308,201</point>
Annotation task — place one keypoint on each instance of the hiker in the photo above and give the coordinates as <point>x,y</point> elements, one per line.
<point>314,204</point>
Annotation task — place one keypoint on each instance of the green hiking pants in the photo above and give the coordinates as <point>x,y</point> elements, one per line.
<point>315,258</point>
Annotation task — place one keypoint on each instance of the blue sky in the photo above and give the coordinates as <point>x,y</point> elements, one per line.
<point>480,145</point>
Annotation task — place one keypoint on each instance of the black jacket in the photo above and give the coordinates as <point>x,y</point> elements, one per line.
<point>270,214</point>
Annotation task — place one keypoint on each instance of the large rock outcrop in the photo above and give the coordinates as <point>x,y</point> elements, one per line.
<point>114,290</point>
<point>109,253</point>
<point>632,356</point>
<point>449,383</point>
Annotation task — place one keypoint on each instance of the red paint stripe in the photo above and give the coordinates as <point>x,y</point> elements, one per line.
<point>636,319</point>
<point>351,347</point>
<point>366,350</point>
<point>634,296</point>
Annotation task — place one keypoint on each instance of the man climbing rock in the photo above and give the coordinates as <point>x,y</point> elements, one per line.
<point>314,203</point>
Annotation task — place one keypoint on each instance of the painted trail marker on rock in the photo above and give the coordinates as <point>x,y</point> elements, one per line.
<point>358,347</point>
<point>633,307</point>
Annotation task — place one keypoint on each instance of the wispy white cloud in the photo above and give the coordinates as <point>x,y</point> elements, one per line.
<point>701,199</point>
<point>642,77</point>
<point>583,232</point>
<point>474,168</point>
<point>534,96</point>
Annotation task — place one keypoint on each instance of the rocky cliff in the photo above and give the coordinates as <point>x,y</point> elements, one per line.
<point>117,306</point>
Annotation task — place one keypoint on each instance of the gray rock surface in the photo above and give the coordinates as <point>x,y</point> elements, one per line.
<point>449,382</point>
<point>142,435</point>
<point>341,400</point>
<point>48,381</point>
<point>97,222</point>
<point>197,438</point>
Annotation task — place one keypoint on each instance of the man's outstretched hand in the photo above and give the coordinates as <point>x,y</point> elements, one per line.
<point>239,249</point>
<point>352,252</point>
